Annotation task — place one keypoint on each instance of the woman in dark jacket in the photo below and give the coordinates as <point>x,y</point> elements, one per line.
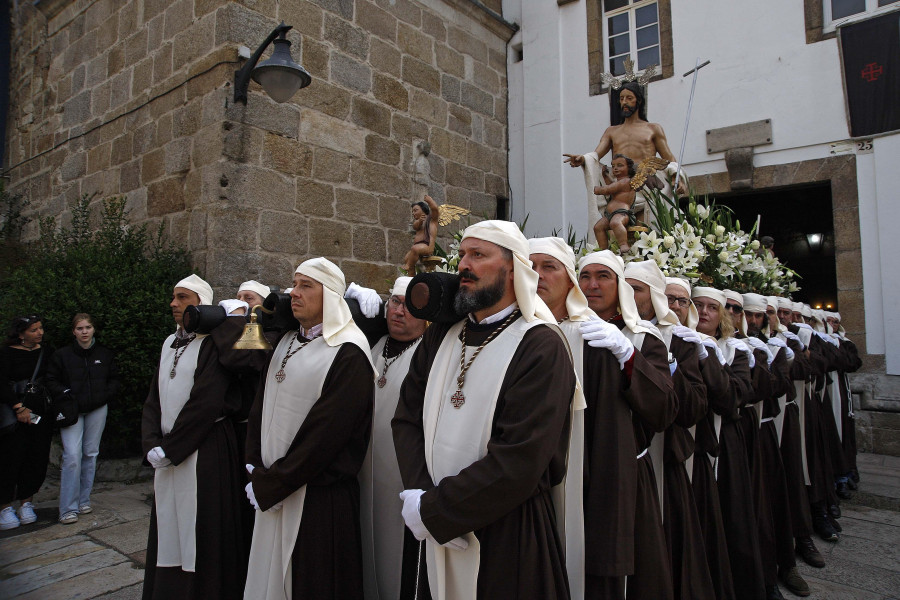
<point>84,372</point>
<point>25,450</point>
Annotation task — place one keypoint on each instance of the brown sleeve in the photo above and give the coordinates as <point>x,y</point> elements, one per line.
<point>688,382</point>
<point>740,380</point>
<point>207,402</point>
<point>343,412</point>
<point>651,393</point>
<point>761,377</point>
<point>530,421</point>
<point>406,426</point>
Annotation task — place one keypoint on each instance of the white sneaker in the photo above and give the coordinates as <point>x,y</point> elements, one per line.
<point>69,518</point>
<point>8,518</point>
<point>85,509</point>
<point>26,513</point>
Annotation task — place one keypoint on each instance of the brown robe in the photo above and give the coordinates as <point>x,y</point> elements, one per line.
<point>848,422</point>
<point>503,498</point>
<point>722,401</point>
<point>221,563</point>
<point>782,554</point>
<point>623,528</point>
<point>325,456</point>
<point>684,537</point>
<point>736,492</point>
<point>245,366</point>
<point>791,448</point>
<point>818,455</point>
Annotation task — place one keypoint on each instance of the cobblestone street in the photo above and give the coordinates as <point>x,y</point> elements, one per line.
<point>102,556</point>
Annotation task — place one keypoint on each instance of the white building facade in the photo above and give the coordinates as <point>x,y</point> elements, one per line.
<point>769,60</point>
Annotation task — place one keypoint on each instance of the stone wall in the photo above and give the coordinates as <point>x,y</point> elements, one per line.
<point>135,98</point>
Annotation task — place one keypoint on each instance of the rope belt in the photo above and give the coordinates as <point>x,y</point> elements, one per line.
<point>643,453</point>
<point>766,420</point>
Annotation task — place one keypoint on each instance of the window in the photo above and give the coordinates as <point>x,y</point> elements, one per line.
<point>620,29</point>
<point>632,31</point>
<point>836,11</point>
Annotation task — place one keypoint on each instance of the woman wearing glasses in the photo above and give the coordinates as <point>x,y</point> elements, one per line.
<point>24,449</point>
<point>86,373</point>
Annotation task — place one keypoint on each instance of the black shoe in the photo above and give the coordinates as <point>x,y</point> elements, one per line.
<point>842,489</point>
<point>809,553</point>
<point>823,526</point>
<point>852,484</point>
<point>793,581</point>
<point>834,523</point>
<point>854,476</point>
<point>773,593</point>
<point>834,511</point>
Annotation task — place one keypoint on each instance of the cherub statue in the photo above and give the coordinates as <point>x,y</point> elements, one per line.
<point>619,211</point>
<point>425,217</point>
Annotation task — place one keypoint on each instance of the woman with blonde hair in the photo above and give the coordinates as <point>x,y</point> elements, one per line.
<point>83,373</point>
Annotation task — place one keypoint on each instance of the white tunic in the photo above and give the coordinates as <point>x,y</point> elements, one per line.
<point>175,487</point>
<point>285,407</point>
<point>456,438</point>
<point>380,485</point>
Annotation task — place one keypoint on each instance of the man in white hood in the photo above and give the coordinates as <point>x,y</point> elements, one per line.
<point>195,548</point>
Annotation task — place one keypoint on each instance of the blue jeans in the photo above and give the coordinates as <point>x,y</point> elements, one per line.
<point>81,445</point>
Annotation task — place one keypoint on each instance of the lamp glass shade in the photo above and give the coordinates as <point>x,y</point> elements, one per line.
<point>280,76</point>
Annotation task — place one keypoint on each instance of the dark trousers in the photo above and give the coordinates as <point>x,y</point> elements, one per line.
<point>25,453</point>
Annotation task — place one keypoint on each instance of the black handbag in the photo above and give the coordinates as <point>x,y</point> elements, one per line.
<point>31,394</point>
<point>66,410</point>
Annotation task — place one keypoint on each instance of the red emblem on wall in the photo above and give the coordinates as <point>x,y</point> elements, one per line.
<point>871,72</point>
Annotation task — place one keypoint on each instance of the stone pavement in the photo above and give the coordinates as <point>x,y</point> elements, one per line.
<point>102,555</point>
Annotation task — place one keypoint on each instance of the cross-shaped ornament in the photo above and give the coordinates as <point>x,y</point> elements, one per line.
<point>457,399</point>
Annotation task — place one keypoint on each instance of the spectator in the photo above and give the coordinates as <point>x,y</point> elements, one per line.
<point>84,372</point>
<point>26,449</point>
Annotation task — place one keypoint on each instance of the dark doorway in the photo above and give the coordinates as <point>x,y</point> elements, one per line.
<point>799,219</point>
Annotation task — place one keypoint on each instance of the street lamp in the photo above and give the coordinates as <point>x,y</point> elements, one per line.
<point>279,76</point>
<point>815,241</point>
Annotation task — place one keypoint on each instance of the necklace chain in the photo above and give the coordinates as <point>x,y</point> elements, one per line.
<point>281,375</point>
<point>382,381</point>
<point>178,354</point>
<point>458,399</point>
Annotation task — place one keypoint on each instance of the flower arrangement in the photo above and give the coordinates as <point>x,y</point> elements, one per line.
<point>706,245</point>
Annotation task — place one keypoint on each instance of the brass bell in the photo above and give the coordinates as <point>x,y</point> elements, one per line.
<point>252,337</point>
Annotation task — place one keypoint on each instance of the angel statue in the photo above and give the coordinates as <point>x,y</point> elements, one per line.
<point>426,217</point>
<point>634,137</point>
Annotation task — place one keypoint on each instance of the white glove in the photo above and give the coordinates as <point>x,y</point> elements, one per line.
<point>410,512</point>
<point>249,469</point>
<point>157,458</point>
<point>793,336</point>
<point>780,343</point>
<point>601,334</point>
<point>828,339</point>
<point>251,496</point>
<point>804,326</point>
<point>712,345</point>
<point>689,335</point>
<point>412,518</point>
<point>740,346</point>
<point>774,341</point>
<point>234,306</point>
<point>758,344</point>
<point>369,301</point>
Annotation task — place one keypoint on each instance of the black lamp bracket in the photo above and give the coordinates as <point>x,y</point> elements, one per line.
<point>242,75</point>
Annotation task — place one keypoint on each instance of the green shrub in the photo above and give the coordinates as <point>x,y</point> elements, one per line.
<point>119,273</point>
